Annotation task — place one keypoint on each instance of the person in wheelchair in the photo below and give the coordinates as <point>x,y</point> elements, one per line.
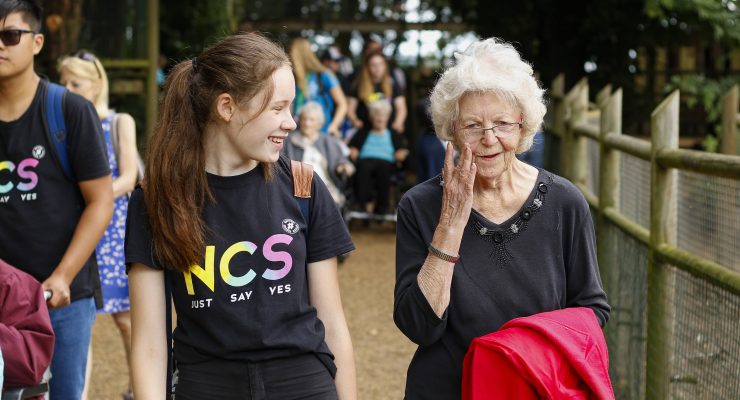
<point>325,153</point>
<point>377,152</point>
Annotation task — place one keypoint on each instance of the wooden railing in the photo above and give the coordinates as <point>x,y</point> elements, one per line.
<point>573,126</point>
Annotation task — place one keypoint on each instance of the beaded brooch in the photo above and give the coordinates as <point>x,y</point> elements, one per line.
<point>499,237</point>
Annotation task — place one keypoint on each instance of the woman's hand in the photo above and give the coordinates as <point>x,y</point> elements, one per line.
<point>334,131</point>
<point>346,169</point>
<point>435,276</point>
<point>400,155</point>
<point>457,195</point>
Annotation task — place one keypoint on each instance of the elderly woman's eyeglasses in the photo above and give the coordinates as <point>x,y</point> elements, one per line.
<point>12,37</point>
<point>90,57</point>
<point>500,129</point>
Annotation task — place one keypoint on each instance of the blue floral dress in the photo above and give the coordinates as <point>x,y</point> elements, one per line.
<point>109,252</point>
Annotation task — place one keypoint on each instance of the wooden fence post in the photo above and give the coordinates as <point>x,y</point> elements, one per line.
<point>603,96</point>
<point>152,87</point>
<point>606,242</point>
<point>579,114</point>
<point>663,208</point>
<point>730,142</point>
<point>553,147</point>
<point>572,157</point>
<point>609,185</point>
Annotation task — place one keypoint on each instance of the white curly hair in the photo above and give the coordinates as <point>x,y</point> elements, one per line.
<point>489,66</point>
<point>312,107</point>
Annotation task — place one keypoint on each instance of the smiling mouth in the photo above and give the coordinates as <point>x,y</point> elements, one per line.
<point>277,140</point>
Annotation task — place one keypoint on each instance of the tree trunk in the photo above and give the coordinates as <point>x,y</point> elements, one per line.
<point>61,29</point>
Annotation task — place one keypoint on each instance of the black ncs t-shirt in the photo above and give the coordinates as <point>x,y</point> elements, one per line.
<point>39,205</point>
<point>248,298</point>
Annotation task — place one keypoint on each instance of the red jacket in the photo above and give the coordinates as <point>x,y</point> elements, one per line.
<point>559,354</point>
<point>26,336</point>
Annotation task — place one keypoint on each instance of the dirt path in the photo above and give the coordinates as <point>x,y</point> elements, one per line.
<point>382,353</point>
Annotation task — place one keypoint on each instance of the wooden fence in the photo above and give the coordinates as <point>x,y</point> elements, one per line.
<point>668,236</point>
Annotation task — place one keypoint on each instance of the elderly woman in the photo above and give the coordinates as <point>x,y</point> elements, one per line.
<point>326,154</point>
<point>492,238</point>
<point>377,151</point>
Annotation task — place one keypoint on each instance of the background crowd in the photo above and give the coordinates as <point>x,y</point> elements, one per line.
<point>350,124</point>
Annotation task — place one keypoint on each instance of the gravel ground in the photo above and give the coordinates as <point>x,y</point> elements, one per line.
<point>366,278</point>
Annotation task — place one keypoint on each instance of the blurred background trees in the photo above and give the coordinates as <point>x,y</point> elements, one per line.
<point>646,47</point>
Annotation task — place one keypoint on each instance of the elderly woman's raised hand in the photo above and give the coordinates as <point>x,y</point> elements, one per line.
<point>457,195</point>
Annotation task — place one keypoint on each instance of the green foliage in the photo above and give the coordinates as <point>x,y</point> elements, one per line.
<point>718,16</point>
<point>188,26</point>
<point>698,90</point>
<point>710,143</point>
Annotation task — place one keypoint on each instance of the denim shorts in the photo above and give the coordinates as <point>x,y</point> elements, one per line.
<point>299,377</point>
<point>72,332</point>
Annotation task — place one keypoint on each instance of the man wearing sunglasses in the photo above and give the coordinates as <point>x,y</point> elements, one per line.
<point>50,222</point>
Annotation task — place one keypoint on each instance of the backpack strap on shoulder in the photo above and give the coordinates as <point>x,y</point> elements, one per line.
<point>114,134</point>
<point>302,181</point>
<point>56,127</point>
<point>320,81</point>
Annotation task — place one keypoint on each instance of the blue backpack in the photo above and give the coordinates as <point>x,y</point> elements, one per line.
<point>52,110</point>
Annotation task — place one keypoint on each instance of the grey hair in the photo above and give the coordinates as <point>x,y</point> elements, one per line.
<point>315,108</point>
<point>380,105</point>
<point>489,66</point>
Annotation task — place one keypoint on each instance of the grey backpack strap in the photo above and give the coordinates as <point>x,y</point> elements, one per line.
<point>114,135</point>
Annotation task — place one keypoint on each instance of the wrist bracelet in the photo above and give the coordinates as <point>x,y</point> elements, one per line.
<point>441,255</point>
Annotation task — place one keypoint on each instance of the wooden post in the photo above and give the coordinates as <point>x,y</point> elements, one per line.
<point>730,142</point>
<point>558,125</point>
<point>566,134</point>
<point>663,211</point>
<point>574,156</point>
<point>603,97</point>
<point>609,189</point>
<point>152,89</point>
<point>609,185</point>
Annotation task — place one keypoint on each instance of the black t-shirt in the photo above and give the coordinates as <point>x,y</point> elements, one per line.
<point>39,205</point>
<point>248,299</point>
<point>541,259</point>
<point>378,94</point>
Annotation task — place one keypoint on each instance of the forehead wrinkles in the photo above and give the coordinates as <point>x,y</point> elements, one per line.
<point>485,106</point>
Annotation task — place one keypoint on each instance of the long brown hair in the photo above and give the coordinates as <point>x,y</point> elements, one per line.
<point>304,62</point>
<point>176,187</point>
<point>365,84</point>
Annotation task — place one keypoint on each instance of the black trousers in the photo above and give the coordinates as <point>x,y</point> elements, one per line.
<point>374,177</point>
<point>299,377</point>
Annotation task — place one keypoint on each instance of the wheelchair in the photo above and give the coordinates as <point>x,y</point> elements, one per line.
<point>354,211</point>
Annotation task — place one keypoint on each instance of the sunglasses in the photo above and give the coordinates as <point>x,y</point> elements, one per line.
<point>89,57</point>
<point>11,37</point>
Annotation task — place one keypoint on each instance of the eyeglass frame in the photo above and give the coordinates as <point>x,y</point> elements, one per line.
<point>17,32</point>
<point>85,55</point>
<point>480,132</point>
